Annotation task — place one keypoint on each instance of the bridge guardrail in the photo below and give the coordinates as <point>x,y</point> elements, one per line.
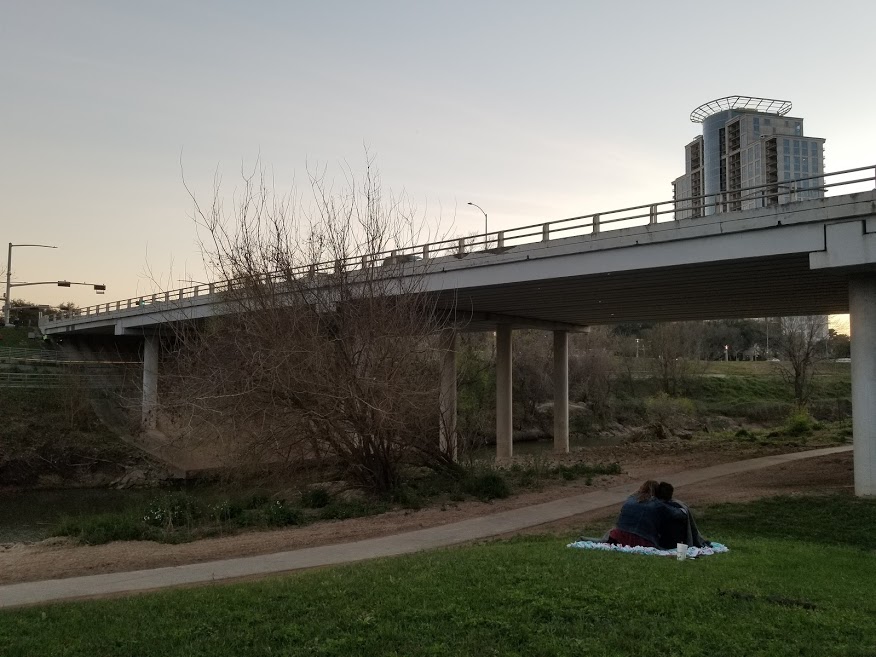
<point>23,353</point>
<point>740,198</point>
<point>48,356</point>
<point>32,380</point>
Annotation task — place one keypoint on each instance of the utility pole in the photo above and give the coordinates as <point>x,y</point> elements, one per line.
<point>7,305</point>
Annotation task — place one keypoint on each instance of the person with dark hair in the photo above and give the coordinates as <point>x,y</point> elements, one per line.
<point>675,530</point>
<point>642,517</point>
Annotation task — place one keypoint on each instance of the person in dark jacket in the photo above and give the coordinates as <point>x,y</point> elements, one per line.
<point>642,517</point>
<point>677,531</point>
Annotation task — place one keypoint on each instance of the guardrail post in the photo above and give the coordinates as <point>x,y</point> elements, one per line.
<point>166,296</point>
<point>545,232</point>
<point>338,266</point>
<point>197,290</point>
<point>152,300</point>
<point>461,247</point>
<point>88,311</point>
<point>425,252</point>
<point>364,262</point>
<point>500,240</point>
<point>211,288</point>
<point>652,214</point>
<point>107,307</point>
<point>595,224</point>
<point>181,295</point>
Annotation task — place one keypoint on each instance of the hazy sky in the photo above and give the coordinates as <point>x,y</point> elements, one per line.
<point>532,110</point>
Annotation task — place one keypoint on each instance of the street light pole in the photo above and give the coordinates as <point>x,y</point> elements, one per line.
<point>486,228</point>
<point>7,306</point>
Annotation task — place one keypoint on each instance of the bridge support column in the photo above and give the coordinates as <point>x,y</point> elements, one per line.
<point>862,309</point>
<point>151,348</point>
<point>447,395</point>
<point>561,392</point>
<point>504,428</point>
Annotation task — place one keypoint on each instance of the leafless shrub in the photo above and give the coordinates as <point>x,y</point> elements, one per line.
<point>593,367</point>
<point>315,363</point>
<point>801,345</point>
<point>676,354</point>
<point>532,372</point>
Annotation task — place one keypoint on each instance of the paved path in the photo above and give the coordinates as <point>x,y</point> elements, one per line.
<point>28,593</point>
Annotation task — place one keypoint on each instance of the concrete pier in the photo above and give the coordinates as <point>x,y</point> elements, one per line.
<point>862,309</point>
<point>561,392</point>
<point>504,427</point>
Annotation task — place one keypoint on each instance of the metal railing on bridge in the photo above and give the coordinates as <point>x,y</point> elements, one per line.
<point>24,355</point>
<point>496,242</point>
<point>38,380</point>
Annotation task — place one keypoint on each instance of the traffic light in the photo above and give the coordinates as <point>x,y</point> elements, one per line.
<point>63,283</point>
<point>100,289</point>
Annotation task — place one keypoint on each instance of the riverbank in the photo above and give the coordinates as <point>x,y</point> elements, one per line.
<point>59,558</point>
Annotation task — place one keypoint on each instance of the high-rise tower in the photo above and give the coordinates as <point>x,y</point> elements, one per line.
<point>747,143</point>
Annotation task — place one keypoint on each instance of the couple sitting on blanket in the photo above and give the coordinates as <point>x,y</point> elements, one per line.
<point>651,518</point>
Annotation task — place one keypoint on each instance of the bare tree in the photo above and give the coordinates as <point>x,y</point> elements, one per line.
<point>801,340</point>
<point>326,352</point>
<point>592,369</point>
<point>676,351</point>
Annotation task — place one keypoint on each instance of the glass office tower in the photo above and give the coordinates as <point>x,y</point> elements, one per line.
<point>750,155</point>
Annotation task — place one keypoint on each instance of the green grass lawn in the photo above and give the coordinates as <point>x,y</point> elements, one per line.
<point>798,581</point>
<point>17,337</point>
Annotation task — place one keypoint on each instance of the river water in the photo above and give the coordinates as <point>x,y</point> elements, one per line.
<point>30,515</point>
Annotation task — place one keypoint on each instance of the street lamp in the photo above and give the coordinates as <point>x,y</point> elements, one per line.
<point>486,229</point>
<point>7,306</point>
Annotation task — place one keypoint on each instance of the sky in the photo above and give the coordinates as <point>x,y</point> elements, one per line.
<point>534,111</point>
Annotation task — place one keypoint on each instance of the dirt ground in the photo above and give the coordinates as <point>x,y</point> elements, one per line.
<point>60,557</point>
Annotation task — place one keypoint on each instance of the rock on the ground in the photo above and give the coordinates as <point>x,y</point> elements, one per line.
<point>135,478</point>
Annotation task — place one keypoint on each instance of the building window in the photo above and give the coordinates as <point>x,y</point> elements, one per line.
<point>787,163</point>
<point>786,144</point>
<point>796,163</point>
<point>805,165</point>
<point>767,122</point>
<point>798,129</point>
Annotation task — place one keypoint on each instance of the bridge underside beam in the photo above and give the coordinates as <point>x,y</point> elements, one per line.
<point>488,321</point>
<point>768,287</point>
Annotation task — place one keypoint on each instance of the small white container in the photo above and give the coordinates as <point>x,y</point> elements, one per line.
<point>681,551</point>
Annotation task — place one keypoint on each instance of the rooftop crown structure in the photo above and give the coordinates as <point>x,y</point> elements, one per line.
<point>751,154</point>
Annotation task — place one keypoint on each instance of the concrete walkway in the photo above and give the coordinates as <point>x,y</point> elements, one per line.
<point>29,593</point>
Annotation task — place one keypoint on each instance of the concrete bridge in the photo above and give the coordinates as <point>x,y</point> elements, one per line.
<point>812,256</point>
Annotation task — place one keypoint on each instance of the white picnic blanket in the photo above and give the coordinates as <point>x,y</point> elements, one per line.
<point>692,552</point>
